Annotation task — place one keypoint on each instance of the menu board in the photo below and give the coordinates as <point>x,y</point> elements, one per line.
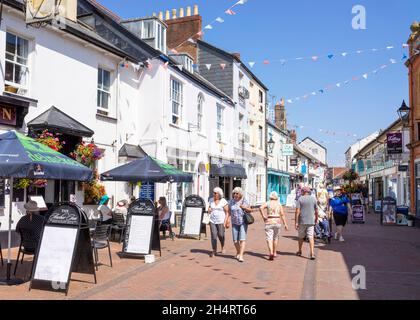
<point>140,227</point>
<point>56,254</point>
<point>358,214</point>
<point>140,235</point>
<point>389,211</point>
<point>40,202</point>
<point>2,192</point>
<point>192,222</point>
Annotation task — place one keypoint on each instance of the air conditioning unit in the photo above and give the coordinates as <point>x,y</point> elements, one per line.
<point>243,92</point>
<point>243,137</point>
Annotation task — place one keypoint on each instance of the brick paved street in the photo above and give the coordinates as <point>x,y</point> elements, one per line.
<point>391,256</point>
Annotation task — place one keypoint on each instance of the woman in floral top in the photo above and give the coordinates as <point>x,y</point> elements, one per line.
<point>238,206</point>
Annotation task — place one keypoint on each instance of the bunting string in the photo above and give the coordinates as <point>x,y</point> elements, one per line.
<point>219,20</point>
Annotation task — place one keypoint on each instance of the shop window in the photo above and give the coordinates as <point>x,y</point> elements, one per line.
<point>177,101</point>
<point>104,91</point>
<point>16,67</point>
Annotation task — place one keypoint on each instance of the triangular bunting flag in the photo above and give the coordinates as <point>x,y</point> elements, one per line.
<point>313,93</point>
<point>344,54</point>
<point>338,85</point>
<point>359,51</point>
<point>322,91</point>
<point>191,40</point>
<point>355,78</point>
<point>208,27</point>
<point>174,51</point>
<point>200,33</point>
<point>180,67</point>
<point>241,1</point>
<point>299,59</point>
<point>266,62</point>
<point>223,66</point>
<point>393,61</point>
<point>375,71</point>
<point>220,20</point>
<point>252,64</point>
<point>346,82</point>
<point>314,58</point>
<point>374,50</point>
<point>165,65</point>
<point>404,57</point>
<point>149,64</point>
<point>208,66</point>
<point>330,56</point>
<point>384,66</point>
<point>390,47</point>
<point>195,66</point>
<point>405,45</point>
<point>230,12</point>
<point>365,76</point>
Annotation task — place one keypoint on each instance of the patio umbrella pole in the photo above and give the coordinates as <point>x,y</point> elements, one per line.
<point>8,281</point>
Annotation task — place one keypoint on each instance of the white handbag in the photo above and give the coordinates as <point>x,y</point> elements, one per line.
<point>206,218</point>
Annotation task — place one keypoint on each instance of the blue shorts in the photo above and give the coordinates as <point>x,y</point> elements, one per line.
<point>239,232</point>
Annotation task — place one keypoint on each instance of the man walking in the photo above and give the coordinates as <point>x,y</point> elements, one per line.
<point>306,217</point>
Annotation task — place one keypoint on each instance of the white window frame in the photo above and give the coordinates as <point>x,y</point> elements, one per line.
<point>200,112</point>
<point>100,87</point>
<point>143,30</point>
<point>260,137</point>
<point>15,63</point>
<point>220,124</point>
<point>179,101</point>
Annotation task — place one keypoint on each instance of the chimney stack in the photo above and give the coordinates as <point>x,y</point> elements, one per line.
<point>293,136</point>
<point>181,13</point>
<point>188,11</point>
<point>280,115</point>
<point>196,10</point>
<point>167,15</point>
<point>237,55</point>
<point>173,13</point>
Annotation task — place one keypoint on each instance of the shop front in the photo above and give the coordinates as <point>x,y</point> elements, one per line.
<point>280,183</point>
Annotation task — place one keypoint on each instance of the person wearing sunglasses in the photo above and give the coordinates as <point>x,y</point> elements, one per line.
<point>219,220</point>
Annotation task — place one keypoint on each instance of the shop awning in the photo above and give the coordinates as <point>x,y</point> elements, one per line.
<point>132,151</point>
<point>230,170</point>
<point>56,120</point>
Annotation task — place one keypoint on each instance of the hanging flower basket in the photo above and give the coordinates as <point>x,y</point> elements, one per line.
<point>50,140</point>
<point>87,154</point>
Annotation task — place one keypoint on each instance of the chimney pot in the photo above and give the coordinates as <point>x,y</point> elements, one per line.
<point>181,13</point>
<point>188,11</point>
<point>167,15</point>
<point>154,14</point>
<point>161,15</point>
<point>196,10</point>
<point>173,13</point>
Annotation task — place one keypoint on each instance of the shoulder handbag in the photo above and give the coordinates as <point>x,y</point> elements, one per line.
<point>248,218</point>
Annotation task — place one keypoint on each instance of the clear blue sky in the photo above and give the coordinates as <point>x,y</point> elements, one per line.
<point>276,29</point>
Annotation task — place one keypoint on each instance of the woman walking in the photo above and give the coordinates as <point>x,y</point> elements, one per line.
<point>273,223</point>
<point>340,208</point>
<point>238,206</point>
<point>219,220</point>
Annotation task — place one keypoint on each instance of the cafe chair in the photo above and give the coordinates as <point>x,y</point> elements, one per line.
<point>101,241</point>
<point>165,225</point>
<point>28,246</point>
<point>119,224</point>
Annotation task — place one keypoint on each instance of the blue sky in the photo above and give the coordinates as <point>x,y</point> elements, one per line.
<point>277,29</point>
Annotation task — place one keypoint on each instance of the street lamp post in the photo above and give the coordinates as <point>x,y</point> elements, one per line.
<point>404,113</point>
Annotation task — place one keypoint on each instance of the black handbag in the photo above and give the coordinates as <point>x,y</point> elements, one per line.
<point>249,218</point>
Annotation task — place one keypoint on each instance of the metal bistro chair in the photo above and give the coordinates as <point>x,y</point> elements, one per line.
<point>101,241</point>
<point>28,246</point>
<point>119,224</point>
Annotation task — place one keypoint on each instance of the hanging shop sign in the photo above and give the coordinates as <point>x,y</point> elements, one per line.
<point>394,143</point>
<point>287,150</point>
<point>294,162</point>
<point>192,217</point>
<point>402,168</point>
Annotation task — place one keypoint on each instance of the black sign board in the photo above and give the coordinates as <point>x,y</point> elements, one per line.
<point>192,217</point>
<point>2,192</point>
<point>394,143</point>
<point>141,228</point>
<point>65,247</point>
<point>389,212</point>
<point>293,162</point>
<point>403,168</point>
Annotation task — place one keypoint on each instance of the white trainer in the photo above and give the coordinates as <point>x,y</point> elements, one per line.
<point>336,236</point>
<point>341,239</point>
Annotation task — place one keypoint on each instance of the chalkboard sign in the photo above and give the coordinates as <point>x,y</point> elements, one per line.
<point>358,214</point>
<point>192,216</point>
<point>389,212</point>
<point>2,192</point>
<point>65,247</point>
<point>140,227</point>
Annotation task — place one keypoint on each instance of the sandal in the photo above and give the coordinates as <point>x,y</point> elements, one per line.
<point>299,253</point>
<point>313,258</point>
<point>271,258</point>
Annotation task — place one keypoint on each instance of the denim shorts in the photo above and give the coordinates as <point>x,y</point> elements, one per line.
<point>239,232</point>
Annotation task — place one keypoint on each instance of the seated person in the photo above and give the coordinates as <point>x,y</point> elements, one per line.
<point>105,211</point>
<point>164,215</point>
<point>322,229</point>
<point>122,208</point>
<point>32,222</point>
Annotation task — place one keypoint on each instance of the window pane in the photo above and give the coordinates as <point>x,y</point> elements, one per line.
<point>100,78</point>
<point>23,61</point>
<point>11,43</point>
<point>99,99</point>
<point>22,47</point>
<point>105,100</point>
<point>106,80</point>
<point>9,72</point>
<point>20,75</point>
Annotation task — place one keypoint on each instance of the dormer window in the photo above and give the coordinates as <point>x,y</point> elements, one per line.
<point>185,60</point>
<point>150,30</point>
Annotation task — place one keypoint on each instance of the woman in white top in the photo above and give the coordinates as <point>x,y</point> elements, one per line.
<point>219,220</point>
